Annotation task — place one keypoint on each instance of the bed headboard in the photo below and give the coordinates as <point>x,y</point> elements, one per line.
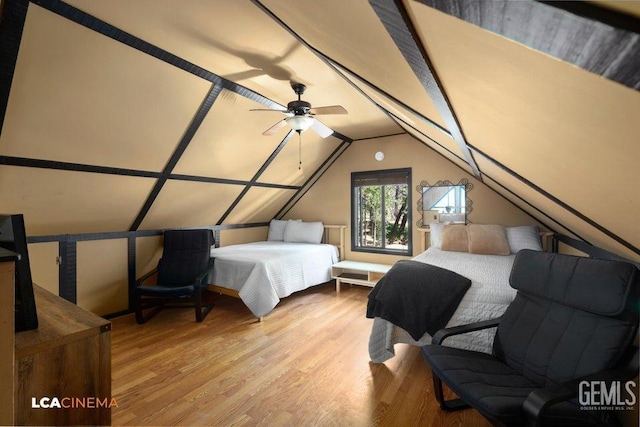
<point>331,238</point>
<point>546,238</point>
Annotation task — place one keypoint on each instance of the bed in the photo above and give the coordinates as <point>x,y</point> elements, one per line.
<point>487,297</point>
<point>261,273</point>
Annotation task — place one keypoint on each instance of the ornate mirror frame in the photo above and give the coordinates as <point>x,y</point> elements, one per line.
<point>468,202</point>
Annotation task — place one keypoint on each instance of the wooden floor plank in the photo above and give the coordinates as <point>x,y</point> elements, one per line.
<point>306,364</point>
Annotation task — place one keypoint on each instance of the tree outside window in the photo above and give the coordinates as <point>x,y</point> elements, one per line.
<point>381,211</point>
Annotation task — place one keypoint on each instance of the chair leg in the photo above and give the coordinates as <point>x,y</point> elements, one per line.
<point>446,405</point>
<point>156,305</point>
<point>142,319</point>
<point>137,302</point>
<point>139,307</point>
<point>201,310</point>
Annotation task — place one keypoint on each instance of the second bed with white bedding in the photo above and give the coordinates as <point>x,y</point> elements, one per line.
<point>487,298</point>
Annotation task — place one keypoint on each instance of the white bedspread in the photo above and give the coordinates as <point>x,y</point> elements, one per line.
<point>487,298</point>
<point>264,272</point>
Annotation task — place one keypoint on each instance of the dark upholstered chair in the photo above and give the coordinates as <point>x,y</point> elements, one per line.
<point>573,319</point>
<point>181,275</point>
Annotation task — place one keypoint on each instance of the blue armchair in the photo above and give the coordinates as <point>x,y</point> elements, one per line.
<point>181,275</point>
<point>573,322</point>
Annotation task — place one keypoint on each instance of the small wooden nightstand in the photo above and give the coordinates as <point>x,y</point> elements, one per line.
<point>358,273</point>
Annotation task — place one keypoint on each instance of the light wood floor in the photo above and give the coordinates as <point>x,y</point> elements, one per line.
<point>307,364</point>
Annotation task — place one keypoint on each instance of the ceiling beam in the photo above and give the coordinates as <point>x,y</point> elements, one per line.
<point>337,67</point>
<point>91,22</point>
<point>346,143</point>
<point>599,40</point>
<point>398,120</point>
<point>594,12</point>
<point>395,19</point>
<point>12,17</point>
<point>257,175</point>
<point>218,83</point>
<point>109,170</point>
<point>558,202</point>
<point>327,61</point>
<point>177,154</point>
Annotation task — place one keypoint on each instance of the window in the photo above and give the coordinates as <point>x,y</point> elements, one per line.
<point>381,213</point>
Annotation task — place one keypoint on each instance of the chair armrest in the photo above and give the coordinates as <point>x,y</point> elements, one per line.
<point>141,280</point>
<point>445,333</point>
<point>539,400</point>
<point>201,280</point>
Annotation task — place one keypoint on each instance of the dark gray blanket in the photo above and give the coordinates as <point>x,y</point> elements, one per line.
<point>417,297</point>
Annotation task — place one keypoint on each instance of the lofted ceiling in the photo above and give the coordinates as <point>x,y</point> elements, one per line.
<point>134,115</point>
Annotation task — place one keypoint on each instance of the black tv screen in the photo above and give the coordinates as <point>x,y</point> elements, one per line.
<point>14,238</point>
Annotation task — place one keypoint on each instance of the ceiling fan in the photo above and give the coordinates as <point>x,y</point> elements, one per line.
<point>301,116</point>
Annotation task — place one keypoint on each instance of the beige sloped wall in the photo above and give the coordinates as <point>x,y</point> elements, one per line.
<point>44,266</point>
<point>330,199</point>
<point>569,132</point>
<point>243,235</point>
<point>80,97</point>
<point>102,276</point>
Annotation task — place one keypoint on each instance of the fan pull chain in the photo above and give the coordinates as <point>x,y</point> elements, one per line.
<point>299,150</point>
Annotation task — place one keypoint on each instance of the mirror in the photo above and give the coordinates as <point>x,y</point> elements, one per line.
<point>444,202</point>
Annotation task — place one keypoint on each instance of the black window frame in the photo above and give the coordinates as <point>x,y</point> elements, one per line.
<point>355,176</point>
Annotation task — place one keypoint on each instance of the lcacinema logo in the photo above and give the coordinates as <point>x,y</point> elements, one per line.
<point>73,402</point>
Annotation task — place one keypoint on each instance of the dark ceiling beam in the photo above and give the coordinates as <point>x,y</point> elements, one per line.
<point>346,143</point>
<point>12,17</point>
<point>218,83</point>
<point>595,12</point>
<point>257,175</point>
<point>178,152</point>
<point>402,123</point>
<point>558,202</point>
<point>599,40</point>
<point>295,35</point>
<point>75,167</point>
<point>337,67</point>
<point>91,22</point>
<point>370,138</point>
<point>399,121</point>
<point>494,14</point>
<point>414,132</point>
<point>108,170</point>
<point>490,182</point>
<point>333,64</point>
<point>396,20</point>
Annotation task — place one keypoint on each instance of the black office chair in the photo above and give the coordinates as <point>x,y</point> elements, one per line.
<point>181,275</point>
<point>573,319</point>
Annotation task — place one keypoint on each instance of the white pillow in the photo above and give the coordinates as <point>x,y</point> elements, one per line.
<point>276,229</point>
<point>524,237</point>
<point>435,234</point>
<point>303,232</point>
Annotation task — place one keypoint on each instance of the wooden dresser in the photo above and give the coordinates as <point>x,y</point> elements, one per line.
<point>69,358</point>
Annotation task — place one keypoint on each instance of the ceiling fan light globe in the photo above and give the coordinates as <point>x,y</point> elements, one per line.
<point>300,123</point>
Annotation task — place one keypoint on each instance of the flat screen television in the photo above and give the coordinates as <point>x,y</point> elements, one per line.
<point>14,238</point>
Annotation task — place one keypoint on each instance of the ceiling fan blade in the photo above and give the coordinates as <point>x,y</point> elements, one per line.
<point>268,109</point>
<point>330,109</point>
<point>275,128</point>
<point>322,129</point>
